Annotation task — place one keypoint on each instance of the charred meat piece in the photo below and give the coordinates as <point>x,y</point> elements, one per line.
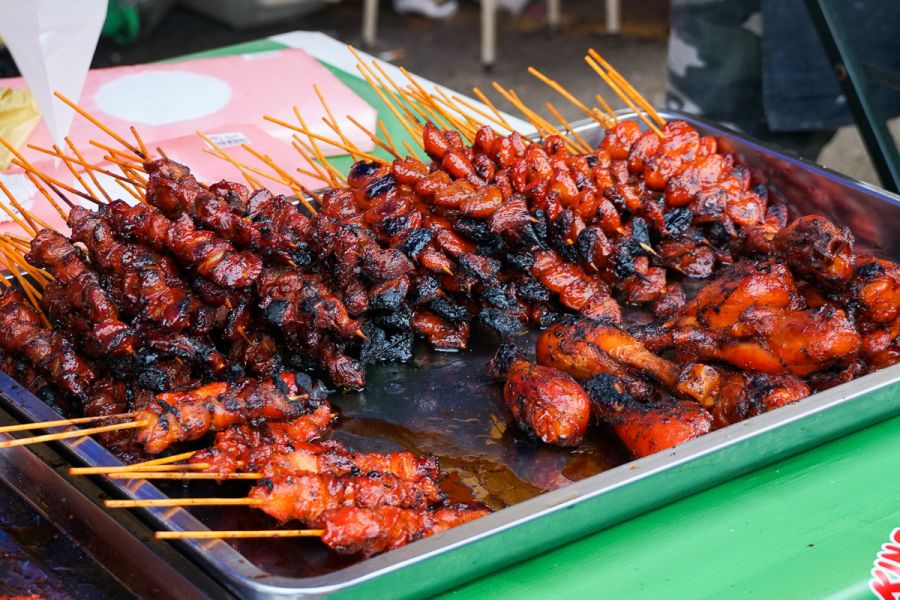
<point>441,334</point>
<point>185,416</point>
<point>83,292</point>
<point>585,347</point>
<point>21,332</point>
<point>817,250</point>
<point>305,496</point>
<point>352,530</point>
<point>545,402</point>
<point>576,289</point>
<point>646,427</point>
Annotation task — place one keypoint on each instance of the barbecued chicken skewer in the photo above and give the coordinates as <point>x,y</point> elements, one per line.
<point>352,530</point>
<point>185,416</point>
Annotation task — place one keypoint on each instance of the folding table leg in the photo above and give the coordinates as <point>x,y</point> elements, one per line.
<point>613,16</point>
<point>370,22</point>
<point>488,33</point>
<point>554,11</point>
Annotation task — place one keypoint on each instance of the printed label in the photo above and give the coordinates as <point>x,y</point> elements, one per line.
<point>885,582</point>
<point>229,139</point>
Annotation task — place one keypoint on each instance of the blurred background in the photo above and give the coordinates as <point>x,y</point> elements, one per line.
<point>444,50</point>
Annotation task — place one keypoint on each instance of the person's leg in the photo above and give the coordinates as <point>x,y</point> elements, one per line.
<point>715,62</point>
<point>715,71</point>
<point>805,144</point>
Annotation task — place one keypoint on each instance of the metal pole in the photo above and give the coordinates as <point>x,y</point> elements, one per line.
<point>488,33</point>
<point>370,22</point>
<point>613,16</point>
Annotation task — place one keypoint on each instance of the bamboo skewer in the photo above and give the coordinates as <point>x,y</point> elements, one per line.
<point>609,110</point>
<point>165,502</point>
<point>438,104</point>
<point>539,123</point>
<point>62,422</point>
<point>18,257</point>
<point>137,138</point>
<point>374,137</point>
<point>215,535</point>
<point>487,102</point>
<point>22,162</point>
<point>34,181</point>
<point>568,127</point>
<point>138,162</point>
<point>50,181</point>
<point>420,92</point>
<point>248,168</point>
<point>304,151</point>
<point>427,106</point>
<point>570,97</point>
<point>182,475</point>
<point>251,181</point>
<point>331,142</point>
<point>147,464</point>
<point>333,124</point>
<point>491,118</point>
<point>179,468</point>
<point>41,277</point>
<point>133,193</point>
<point>570,143</point>
<point>18,241</point>
<point>130,172</point>
<point>165,459</point>
<point>387,136</point>
<point>466,129</point>
<point>98,124</point>
<point>62,213</point>
<point>334,176</point>
<point>74,172</point>
<point>618,91</point>
<point>27,227</point>
<point>298,188</point>
<point>639,98</point>
<point>416,109</point>
<point>136,468</point>
<point>85,164</point>
<point>432,109</point>
<point>409,149</point>
<point>69,434</point>
<point>93,177</point>
<point>33,295</point>
<point>365,73</point>
<point>122,163</point>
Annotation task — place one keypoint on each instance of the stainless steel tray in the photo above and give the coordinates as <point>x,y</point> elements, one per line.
<point>443,404</point>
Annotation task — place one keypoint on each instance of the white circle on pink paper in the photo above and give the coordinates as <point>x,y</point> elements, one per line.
<point>163,97</point>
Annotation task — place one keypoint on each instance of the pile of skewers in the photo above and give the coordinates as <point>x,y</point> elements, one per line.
<point>200,308</point>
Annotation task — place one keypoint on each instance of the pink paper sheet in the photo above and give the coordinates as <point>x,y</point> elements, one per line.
<point>227,96</point>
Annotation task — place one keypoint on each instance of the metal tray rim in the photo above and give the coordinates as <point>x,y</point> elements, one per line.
<point>241,574</point>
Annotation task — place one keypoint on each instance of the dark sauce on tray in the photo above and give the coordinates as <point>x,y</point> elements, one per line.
<point>442,404</point>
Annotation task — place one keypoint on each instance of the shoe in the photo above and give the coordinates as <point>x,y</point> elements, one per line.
<point>433,9</point>
<point>514,7</point>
